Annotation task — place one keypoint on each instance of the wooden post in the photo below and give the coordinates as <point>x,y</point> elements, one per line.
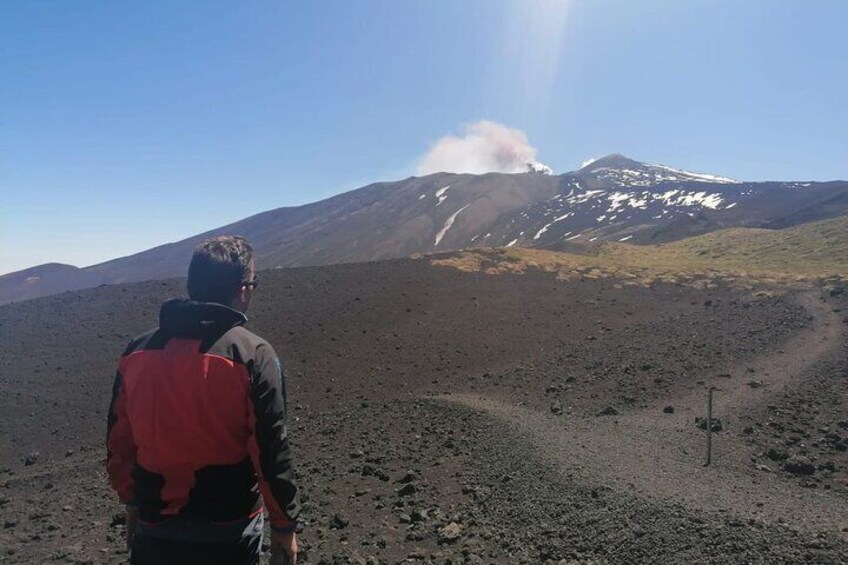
<point>709,426</point>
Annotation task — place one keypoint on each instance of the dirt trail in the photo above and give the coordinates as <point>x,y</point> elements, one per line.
<point>776,372</point>
<point>627,454</point>
<point>660,456</point>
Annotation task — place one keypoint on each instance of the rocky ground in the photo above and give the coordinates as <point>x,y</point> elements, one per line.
<point>451,417</point>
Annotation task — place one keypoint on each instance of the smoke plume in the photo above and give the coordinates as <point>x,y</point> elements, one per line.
<point>485,147</point>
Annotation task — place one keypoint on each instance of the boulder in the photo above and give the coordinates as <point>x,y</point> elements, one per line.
<point>799,465</point>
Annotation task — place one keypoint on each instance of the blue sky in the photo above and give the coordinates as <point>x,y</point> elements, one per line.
<point>127,125</point>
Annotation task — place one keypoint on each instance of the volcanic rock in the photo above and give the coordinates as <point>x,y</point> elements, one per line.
<point>715,424</point>
<point>408,477</point>
<point>338,522</point>
<point>776,454</point>
<point>799,465</point>
<point>450,533</point>
<point>407,490</point>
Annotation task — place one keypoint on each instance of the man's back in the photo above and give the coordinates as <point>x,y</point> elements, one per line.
<point>198,411</point>
<point>197,425</point>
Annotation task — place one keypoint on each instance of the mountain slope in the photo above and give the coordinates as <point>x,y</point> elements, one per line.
<point>379,221</point>
<point>610,199</point>
<point>42,280</point>
<point>742,258</point>
<point>813,249</point>
<point>618,199</point>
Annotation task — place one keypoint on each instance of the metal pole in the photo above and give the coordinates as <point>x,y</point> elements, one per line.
<point>709,427</point>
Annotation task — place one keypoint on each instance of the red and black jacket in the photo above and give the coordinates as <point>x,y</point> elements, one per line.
<point>197,423</point>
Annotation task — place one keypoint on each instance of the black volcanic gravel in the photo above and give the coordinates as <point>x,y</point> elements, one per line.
<point>389,472</point>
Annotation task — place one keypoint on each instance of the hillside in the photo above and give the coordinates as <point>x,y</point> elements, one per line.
<point>743,256</point>
<point>613,199</point>
<point>529,415</point>
<point>817,249</point>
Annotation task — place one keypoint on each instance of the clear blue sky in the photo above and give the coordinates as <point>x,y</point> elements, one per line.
<point>128,124</point>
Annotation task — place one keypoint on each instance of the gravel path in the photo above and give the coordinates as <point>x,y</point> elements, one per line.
<point>660,455</point>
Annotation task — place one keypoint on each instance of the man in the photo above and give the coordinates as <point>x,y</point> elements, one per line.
<point>197,429</point>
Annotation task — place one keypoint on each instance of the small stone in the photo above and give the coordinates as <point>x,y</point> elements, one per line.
<point>419,515</point>
<point>776,454</point>
<point>338,522</point>
<point>408,477</point>
<point>608,411</point>
<point>31,458</point>
<point>450,533</point>
<point>407,490</point>
<point>118,519</point>
<point>715,424</point>
<point>668,410</point>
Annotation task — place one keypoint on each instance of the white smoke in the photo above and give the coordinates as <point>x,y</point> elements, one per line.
<point>485,147</point>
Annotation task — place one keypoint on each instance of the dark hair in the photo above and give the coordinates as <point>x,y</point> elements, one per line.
<point>219,267</point>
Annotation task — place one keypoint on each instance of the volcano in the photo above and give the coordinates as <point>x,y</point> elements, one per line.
<point>613,198</point>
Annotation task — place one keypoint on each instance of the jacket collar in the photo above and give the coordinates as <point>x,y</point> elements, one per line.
<point>184,317</point>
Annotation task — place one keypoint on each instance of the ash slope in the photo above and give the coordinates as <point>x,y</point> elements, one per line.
<point>372,352</point>
<point>611,199</point>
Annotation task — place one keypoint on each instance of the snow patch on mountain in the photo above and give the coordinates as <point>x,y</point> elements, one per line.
<point>625,172</point>
<point>441,194</point>
<point>585,197</point>
<point>542,231</point>
<point>448,224</point>
<point>699,176</point>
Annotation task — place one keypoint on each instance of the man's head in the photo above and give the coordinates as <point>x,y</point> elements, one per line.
<point>222,271</point>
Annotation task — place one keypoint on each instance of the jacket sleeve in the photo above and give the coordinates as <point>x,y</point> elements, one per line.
<point>269,445</point>
<point>120,445</point>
